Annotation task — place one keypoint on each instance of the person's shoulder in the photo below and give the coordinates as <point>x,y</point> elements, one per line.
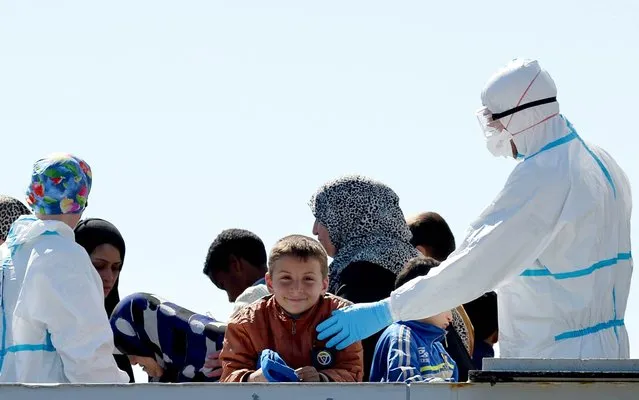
<point>545,168</point>
<point>59,251</point>
<point>363,282</point>
<point>252,313</point>
<point>248,296</point>
<point>336,302</point>
<point>252,293</point>
<point>395,332</point>
<point>357,269</point>
<point>398,327</point>
<point>528,172</point>
<point>537,177</point>
<point>365,265</point>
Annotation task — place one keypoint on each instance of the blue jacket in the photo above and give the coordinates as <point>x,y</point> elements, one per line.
<point>412,351</point>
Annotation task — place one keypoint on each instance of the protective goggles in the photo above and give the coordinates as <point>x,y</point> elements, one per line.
<point>490,123</point>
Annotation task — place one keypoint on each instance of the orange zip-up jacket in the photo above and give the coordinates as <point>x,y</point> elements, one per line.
<point>265,325</point>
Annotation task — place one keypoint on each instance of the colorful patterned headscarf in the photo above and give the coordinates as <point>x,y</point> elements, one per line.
<point>60,184</point>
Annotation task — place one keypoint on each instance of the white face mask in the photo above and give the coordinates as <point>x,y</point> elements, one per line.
<point>499,144</point>
<point>497,136</point>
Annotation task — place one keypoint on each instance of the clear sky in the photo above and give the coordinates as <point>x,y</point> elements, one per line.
<point>198,116</point>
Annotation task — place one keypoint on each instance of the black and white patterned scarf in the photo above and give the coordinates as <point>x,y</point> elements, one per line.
<point>10,210</point>
<point>365,223</point>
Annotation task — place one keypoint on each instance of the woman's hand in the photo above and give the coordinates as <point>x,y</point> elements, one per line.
<point>213,364</point>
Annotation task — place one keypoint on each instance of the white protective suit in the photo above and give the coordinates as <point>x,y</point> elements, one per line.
<point>54,328</point>
<point>555,243</point>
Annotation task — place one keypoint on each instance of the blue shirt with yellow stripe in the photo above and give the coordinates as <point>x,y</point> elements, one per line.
<point>412,351</point>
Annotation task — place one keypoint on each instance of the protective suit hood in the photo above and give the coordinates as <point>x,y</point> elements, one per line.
<point>521,82</point>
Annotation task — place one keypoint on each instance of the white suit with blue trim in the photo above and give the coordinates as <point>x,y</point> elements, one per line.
<point>555,242</point>
<point>53,327</point>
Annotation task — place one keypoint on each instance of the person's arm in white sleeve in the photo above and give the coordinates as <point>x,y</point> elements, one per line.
<point>506,239</point>
<point>64,296</point>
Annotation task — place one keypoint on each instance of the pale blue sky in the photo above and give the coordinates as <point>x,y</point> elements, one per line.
<point>198,116</point>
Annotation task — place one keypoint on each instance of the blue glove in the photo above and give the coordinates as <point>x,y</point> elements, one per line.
<point>274,368</point>
<point>354,323</point>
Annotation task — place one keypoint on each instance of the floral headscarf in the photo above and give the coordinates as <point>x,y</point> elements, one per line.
<point>365,223</point>
<point>60,184</point>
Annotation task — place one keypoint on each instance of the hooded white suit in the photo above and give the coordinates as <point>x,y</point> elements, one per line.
<point>53,328</point>
<point>555,242</point>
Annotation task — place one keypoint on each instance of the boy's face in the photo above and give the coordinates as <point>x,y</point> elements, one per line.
<point>296,284</point>
<point>441,320</point>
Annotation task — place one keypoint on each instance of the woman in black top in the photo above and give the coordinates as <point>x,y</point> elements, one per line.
<point>105,245</point>
<point>361,226</point>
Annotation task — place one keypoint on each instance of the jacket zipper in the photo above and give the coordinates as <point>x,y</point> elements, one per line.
<point>293,330</point>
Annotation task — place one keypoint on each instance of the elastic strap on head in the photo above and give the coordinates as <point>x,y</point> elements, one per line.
<point>522,107</point>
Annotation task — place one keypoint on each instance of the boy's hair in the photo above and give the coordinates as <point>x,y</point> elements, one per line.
<point>302,247</point>
<point>239,243</point>
<point>417,266</point>
<point>429,229</point>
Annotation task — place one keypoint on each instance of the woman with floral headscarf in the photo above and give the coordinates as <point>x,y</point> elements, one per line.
<point>54,329</point>
<point>361,226</point>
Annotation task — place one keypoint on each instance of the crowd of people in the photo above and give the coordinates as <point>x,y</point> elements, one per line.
<point>545,270</point>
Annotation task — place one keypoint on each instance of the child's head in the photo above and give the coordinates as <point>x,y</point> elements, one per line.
<point>483,315</point>
<point>431,235</point>
<point>420,266</point>
<point>297,273</point>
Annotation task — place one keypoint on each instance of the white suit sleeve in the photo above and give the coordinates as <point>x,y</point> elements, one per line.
<point>506,239</point>
<point>65,298</point>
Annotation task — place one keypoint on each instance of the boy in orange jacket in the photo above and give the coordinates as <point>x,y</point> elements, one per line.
<point>274,338</point>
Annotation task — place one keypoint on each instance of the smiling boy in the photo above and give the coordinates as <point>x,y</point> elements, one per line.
<point>285,322</point>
